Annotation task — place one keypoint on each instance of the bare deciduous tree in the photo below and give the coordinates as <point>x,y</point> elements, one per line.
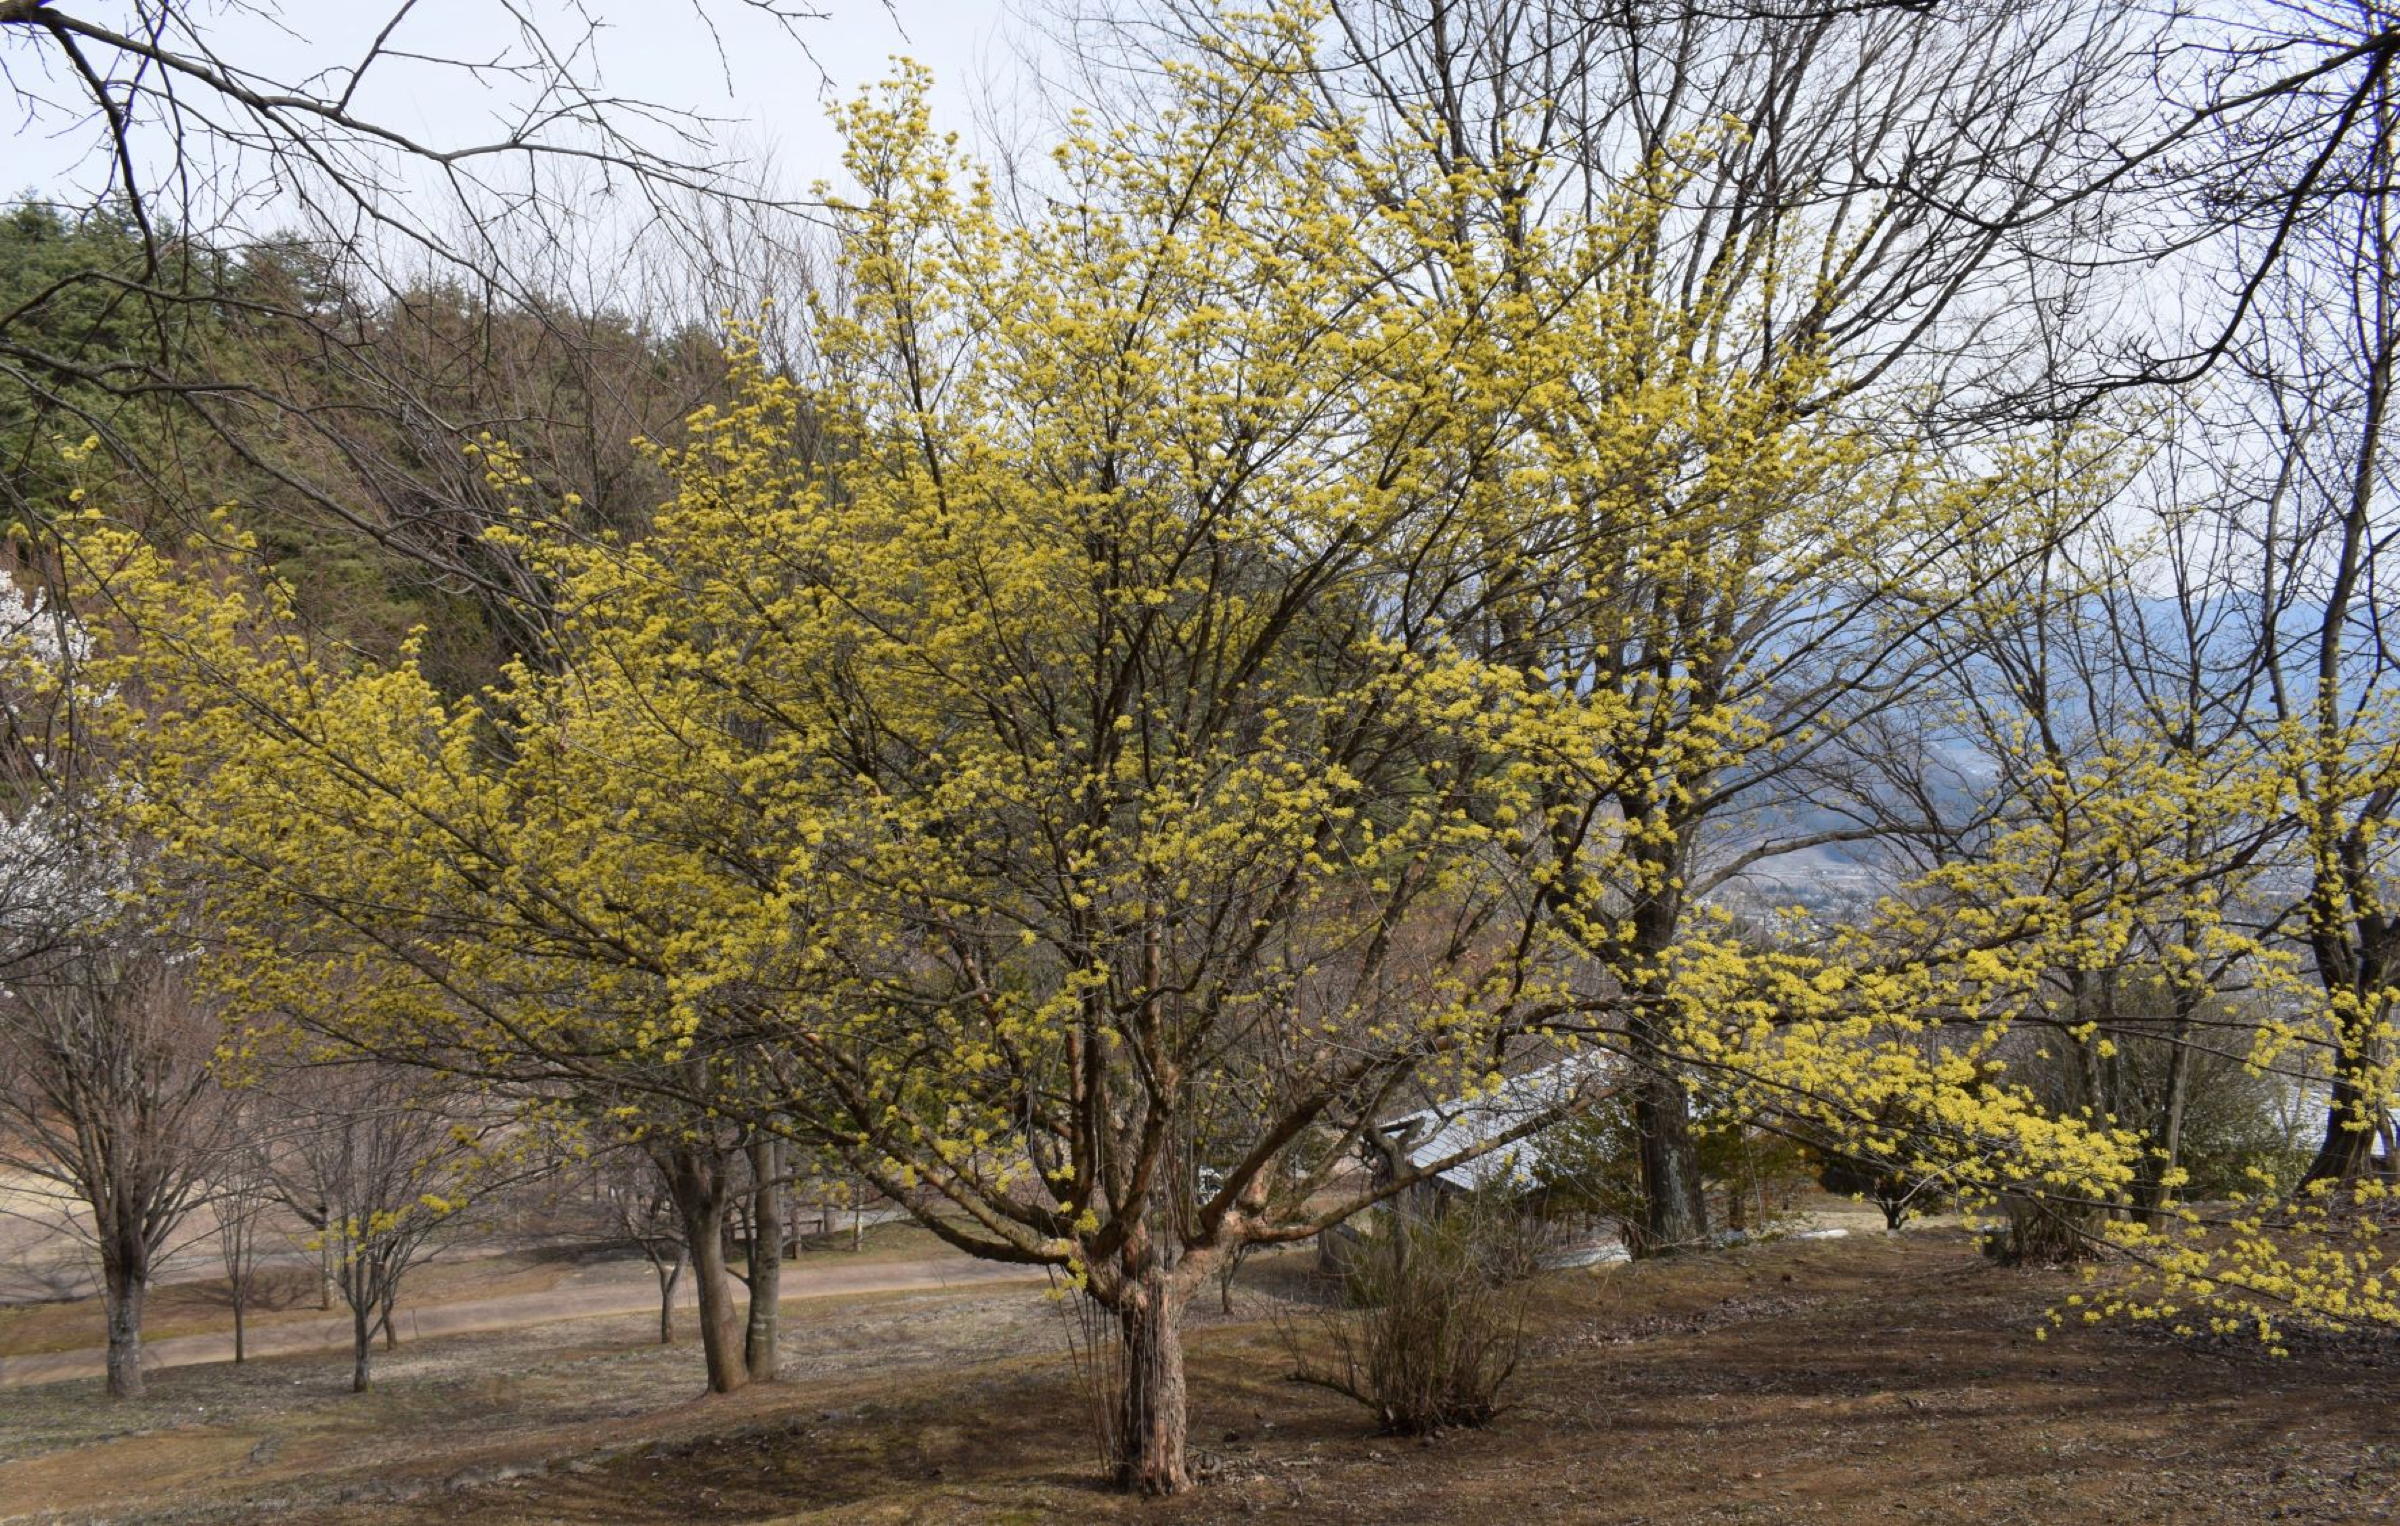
<point>106,1089</point>
<point>319,306</point>
<point>380,1162</point>
<point>633,1197</point>
<point>242,1195</point>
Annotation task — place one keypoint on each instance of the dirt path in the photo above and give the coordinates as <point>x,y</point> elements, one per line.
<point>615,1289</point>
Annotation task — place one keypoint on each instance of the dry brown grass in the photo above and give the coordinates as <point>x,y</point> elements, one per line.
<point>1870,1378</point>
<point>471,1271</point>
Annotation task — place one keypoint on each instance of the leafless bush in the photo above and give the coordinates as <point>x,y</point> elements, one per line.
<point>1433,1322</point>
<point>1099,1359</point>
<point>639,1209</point>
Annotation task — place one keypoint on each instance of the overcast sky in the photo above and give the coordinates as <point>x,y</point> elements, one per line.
<point>770,93</point>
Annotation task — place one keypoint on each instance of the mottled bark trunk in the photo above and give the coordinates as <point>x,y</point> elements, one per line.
<point>1674,1193</point>
<point>1152,1416</point>
<point>2355,951</point>
<point>2348,1147</point>
<point>720,1316</point>
<point>766,1260</point>
<point>1674,1205</point>
<point>2347,1151</point>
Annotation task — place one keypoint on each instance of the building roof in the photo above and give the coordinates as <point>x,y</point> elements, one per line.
<point>1445,1129</point>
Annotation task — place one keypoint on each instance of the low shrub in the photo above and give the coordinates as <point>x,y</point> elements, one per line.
<point>1432,1320</point>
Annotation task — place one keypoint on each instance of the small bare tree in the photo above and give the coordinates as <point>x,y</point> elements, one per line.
<point>639,1208</point>
<point>107,1091</point>
<point>379,1162</point>
<point>243,1194</point>
<point>106,1055</point>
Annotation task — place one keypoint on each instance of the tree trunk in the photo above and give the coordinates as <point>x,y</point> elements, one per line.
<point>2348,1148</point>
<point>1674,1193</point>
<point>2349,975</point>
<point>1674,1209</point>
<point>2166,1147</point>
<point>669,1273</point>
<point>1230,1269</point>
<point>237,1248</point>
<point>125,1289</point>
<point>696,1182</point>
<point>362,1345</point>
<point>720,1318</point>
<point>766,1259</point>
<point>1151,1412</point>
<point>2042,1232</point>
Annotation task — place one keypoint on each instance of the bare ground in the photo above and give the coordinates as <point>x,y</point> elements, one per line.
<point>277,1438</point>
<point>1868,1378</point>
<point>189,1322</point>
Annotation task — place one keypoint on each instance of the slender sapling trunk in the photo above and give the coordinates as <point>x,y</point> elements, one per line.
<point>766,1260</point>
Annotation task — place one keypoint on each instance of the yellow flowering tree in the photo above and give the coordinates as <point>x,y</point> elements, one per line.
<point>394,876</point>
<point>1211,663</point>
<point>1072,803</point>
